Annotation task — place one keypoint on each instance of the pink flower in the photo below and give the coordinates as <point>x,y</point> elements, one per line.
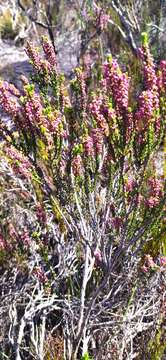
<point>118,83</point>
<point>81,80</point>
<point>117,222</point>
<point>25,238</point>
<point>149,262</point>
<point>2,242</point>
<point>139,200</point>
<point>145,109</point>
<point>40,275</point>
<point>162,76</point>
<point>12,231</point>
<point>97,136</point>
<point>88,146</point>
<point>96,110</point>
<point>20,164</point>
<point>144,269</point>
<point>155,186</point>
<point>11,89</point>
<point>77,166</point>
<point>103,19</point>
<point>98,257</point>
<point>49,52</point>
<point>41,214</point>
<point>151,202</point>
<point>130,184</point>
<point>162,260</point>
<point>8,103</point>
<point>34,56</point>
<point>41,66</point>
<point>24,80</point>
<point>148,67</point>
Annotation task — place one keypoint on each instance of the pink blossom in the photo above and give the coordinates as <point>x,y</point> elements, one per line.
<point>62,167</point>
<point>20,165</point>
<point>98,257</point>
<point>155,187</point>
<point>144,269</point>
<point>24,80</point>
<point>42,66</point>
<point>25,238</point>
<point>77,166</point>
<point>95,108</point>
<point>8,103</point>
<point>149,262</point>
<point>139,199</point>
<point>81,80</point>
<point>162,260</point>
<point>49,52</point>
<point>148,68</point>
<point>97,137</point>
<point>40,275</point>
<point>41,214</point>
<point>151,202</point>
<point>12,231</point>
<point>130,184</point>
<point>34,56</point>
<point>145,110</point>
<point>88,146</point>
<point>11,89</point>
<point>2,242</point>
<point>117,222</point>
<point>162,75</point>
<point>103,20</point>
<point>118,83</point>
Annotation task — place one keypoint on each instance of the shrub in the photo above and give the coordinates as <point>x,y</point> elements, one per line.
<point>7,29</point>
<point>80,201</point>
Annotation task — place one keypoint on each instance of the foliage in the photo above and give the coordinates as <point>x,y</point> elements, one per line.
<point>6,25</point>
<point>80,201</point>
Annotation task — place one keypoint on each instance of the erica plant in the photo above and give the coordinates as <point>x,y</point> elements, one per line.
<point>81,205</point>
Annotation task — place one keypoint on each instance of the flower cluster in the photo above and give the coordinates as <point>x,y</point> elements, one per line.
<point>88,146</point>
<point>20,164</point>
<point>150,264</point>
<point>40,275</point>
<point>40,213</point>
<point>34,110</point>
<point>77,165</point>
<point>162,261</point>
<point>2,243</point>
<point>118,83</point>
<point>11,89</point>
<point>101,17</point>
<point>130,184</point>
<point>148,101</point>
<point>117,222</point>
<point>162,76</point>
<point>98,140</point>
<point>96,111</point>
<point>24,238</point>
<point>49,52</point>
<point>43,67</point>
<point>145,110</point>
<point>103,20</point>
<point>150,77</point>
<point>81,81</point>
<point>34,56</point>
<point>8,103</point>
<point>12,231</point>
<point>155,192</point>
